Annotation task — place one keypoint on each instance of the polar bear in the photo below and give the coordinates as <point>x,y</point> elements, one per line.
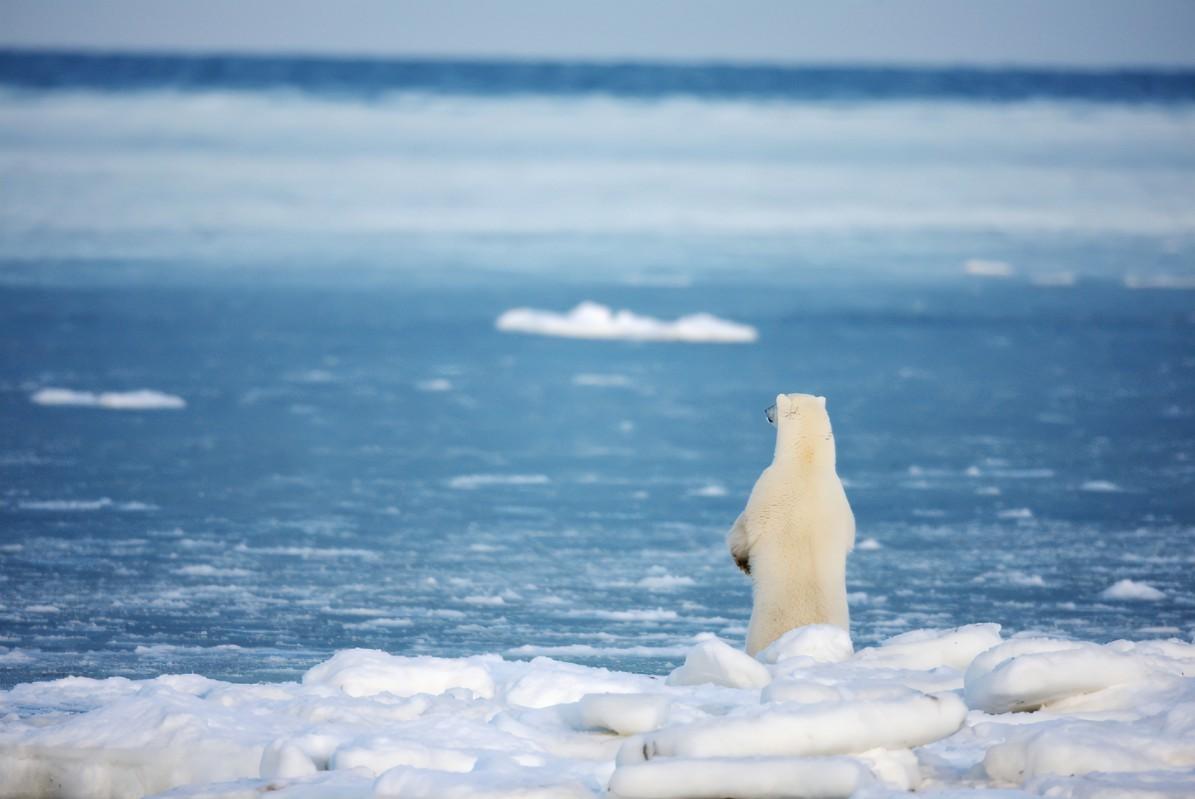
<point>795,533</point>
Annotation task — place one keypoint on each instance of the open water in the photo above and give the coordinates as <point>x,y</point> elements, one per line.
<point>990,275</point>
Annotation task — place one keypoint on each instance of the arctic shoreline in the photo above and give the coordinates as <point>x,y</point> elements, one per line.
<point>934,711</point>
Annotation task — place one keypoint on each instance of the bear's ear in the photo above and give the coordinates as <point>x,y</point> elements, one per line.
<point>822,401</point>
<point>781,402</point>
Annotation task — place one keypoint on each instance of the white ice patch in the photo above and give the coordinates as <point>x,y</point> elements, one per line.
<point>1055,279</point>
<point>1132,590</point>
<point>592,320</point>
<point>1181,282</point>
<point>1029,673</point>
<point>714,661</point>
<point>365,672</point>
<point>708,490</point>
<point>207,570</point>
<point>929,649</point>
<point>80,505</point>
<point>823,643</point>
<point>437,384</point>
<point>1100,486</point>
<point>979,267</point>
<point>468,482</point>
<point>665,582</point>
<point>658,614</point>
<point>141,400</point>
<point>623,714</point>
<point>602,381</point>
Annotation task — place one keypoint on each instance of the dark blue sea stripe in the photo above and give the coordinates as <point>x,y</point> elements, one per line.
<point>371,77</point>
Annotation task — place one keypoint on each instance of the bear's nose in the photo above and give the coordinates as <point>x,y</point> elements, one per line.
<point>771,414</point>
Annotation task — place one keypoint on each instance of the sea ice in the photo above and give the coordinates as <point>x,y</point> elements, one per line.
<point>1131,589</point>
<point>141,400</point>
<point>715,661</point>
<point>823,643</point>
<point>595,321</point>
<point>1042,717</point>
<point>980,267</point>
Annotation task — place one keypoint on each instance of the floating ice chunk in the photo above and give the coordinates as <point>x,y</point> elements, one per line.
<point>208,570</point>
<point>665,582</point>
<point>624,714</point>
<point>717,777</point>
<point>928,649</point>
<point>602,380</point>
<point>436,384</point>
<point>1054,279</point>
<point>980,267</point>
<point>869,544</point>
<point>1026,674</point>
<point>1100,486</point>
<point>366,672</point>
<point>595,321</point>
<point>648,615</point>
<point>715,661</point>
<point>823,643</point>
<point>1132,590</point>
<point>1159,281</point>
<point>78,505</point>
<point>471,481</point>
<point>802,730</point>
<point>141,400</point>
<point>14,657</point>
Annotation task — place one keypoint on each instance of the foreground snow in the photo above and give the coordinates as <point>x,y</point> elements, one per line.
<point>933,710</point>
<point>596,321</point>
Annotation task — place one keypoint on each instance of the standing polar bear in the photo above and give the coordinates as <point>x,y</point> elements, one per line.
<point>794,535</point>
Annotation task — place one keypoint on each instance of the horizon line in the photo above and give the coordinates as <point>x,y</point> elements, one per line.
<point>95,51</point>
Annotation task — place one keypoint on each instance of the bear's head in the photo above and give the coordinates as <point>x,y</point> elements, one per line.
<point>802,428</point>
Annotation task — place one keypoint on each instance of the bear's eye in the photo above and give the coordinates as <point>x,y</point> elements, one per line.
<point>771,414</point>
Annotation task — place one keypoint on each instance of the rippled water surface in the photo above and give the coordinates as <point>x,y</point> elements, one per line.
<point>992,284</point>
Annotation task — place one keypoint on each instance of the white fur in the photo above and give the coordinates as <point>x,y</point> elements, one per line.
<point>794,535</point>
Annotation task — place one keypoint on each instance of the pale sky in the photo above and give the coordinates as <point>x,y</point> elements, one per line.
<point>1088,33</point>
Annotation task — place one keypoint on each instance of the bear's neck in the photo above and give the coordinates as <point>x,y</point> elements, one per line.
<point>805,455</point>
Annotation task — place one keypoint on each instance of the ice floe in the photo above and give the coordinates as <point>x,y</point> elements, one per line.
<point>960,711</point>
<point>980,267</point>
<point>1132,590</point>
<point>141,400</point>
<point>595,321</point>
<point>468,482</point>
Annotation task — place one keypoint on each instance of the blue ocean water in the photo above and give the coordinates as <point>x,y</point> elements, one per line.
<point>988,273</point>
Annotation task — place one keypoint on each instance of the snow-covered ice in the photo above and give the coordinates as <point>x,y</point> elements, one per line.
<point>945,712</point>
<point>141,400</point>
<point>597,321</point>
